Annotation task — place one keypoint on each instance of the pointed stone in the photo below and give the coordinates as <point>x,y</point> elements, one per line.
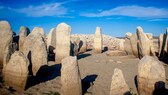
<point>24,31</point>
<point>6,37</point>
<point>62,42</point>
<point>70,77</point>
<point>161,39</point>
<point>151,75</point>
<point>98,41</point>
<point>16,71</point>
<point>118,84</point>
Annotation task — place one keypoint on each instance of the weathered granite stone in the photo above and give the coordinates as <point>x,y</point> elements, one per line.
<point>62,42</point>
<point>98,44</point>
<point>70,77</point>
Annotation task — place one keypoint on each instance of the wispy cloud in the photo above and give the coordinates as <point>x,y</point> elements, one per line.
<point>53,9</point>
<point>158,20</point>
<point>132,11</point>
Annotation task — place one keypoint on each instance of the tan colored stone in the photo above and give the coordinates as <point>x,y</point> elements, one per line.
<point>161,38</point>
<point>134,43</point>
<point>121,44</point>
<point>70,77</point>
<point>51,40</point>
<point>62,42</point>
<point>35,50</point>
<point>151,75</point>
<point>118,84</point>
<point>6,37</point>
<point>16,71</point>
<point>38,54</point>
<point>98,44</point>
<point>24,31</point>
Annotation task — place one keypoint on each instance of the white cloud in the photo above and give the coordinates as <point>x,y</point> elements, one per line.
<point>132,11</point>
<point>53,9</point>
<point>158,20</point>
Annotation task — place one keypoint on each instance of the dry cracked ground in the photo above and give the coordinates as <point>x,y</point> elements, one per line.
<point>96,72</point>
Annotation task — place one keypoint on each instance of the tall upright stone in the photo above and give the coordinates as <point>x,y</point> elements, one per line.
<point>16,71</point>
<point>143,43</point>
<point>38,54</point>
<point>118,84</point>
<point>161,39</point>
<point>35,50</point>
<point>24,31</point>
<point>51,40</point>
<point>98,41</point>
<point>121,44</point>
<point>6,37</point>
<point>134,43</point>
<point>70,77</point>
<point>82,44</point>
<point>151,76</point>
<point>62,42</point>
<point>127,44</point>
<point>163,48</point>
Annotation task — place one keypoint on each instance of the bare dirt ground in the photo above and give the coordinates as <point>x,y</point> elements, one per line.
<point>96,72</point>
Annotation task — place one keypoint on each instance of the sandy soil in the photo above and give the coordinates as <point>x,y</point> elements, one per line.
<point>96,72</point>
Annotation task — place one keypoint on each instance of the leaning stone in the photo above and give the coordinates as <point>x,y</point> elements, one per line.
<point>98,41</point>
<point>118,84</point>
<point>62,42</point>
<point>151,75</point>
<point>145,45</point>
<point>16,71</point>
<point>24,31</point>
<point>70,77</point>
<point>5,38</point>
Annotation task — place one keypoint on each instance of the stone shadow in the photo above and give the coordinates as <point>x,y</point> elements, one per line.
<point>80,56</point>
<point>105,49</point>
<point>44,74</point>
<point>87,82</point>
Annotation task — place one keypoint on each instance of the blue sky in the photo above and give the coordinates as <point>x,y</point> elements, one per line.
<point>115,17</point>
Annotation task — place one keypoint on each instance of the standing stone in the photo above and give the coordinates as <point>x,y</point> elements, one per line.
<point>134,43</point>
<point>152,49</point>
<point>121,44</point>
<point>118,84</point>
<point>163,48</point>
<point>70,77</point>
<point>24,31</point>
<point>62,42</point>
<point>38,54</point>
<point>51,40</point>
<point>98,41</point>
<point>127,44</point>
<point>144,44</point>
<point>75,43</point>
<point>161,39</point>
<point>5,38</point>
<point>16,71</point>
<point>82,44</point>
<point>151,75</point>
<point>35,50</point>
<point>38,30</point>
